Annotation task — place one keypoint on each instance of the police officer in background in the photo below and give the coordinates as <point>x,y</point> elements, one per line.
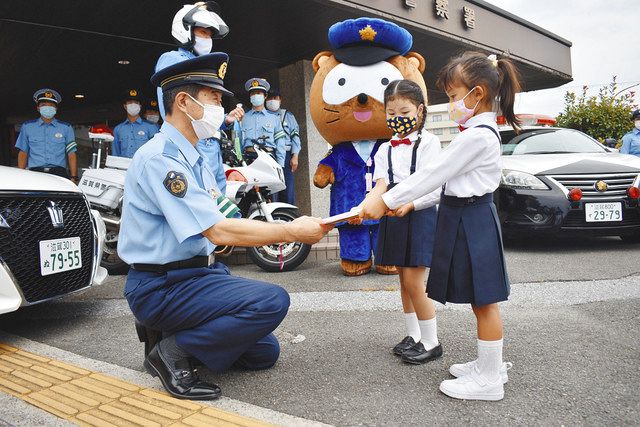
<point>171,224</point>
<point>131,134</point>
<point>261,126</point>
<point>631,140</point>
<point>292,144</point>
<point>45,143</point>
<point>151,112</point>
<point>194,28</point>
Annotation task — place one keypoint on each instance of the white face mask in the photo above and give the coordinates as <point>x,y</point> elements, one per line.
<point>209,124</point>
<point>257,99</point>
<point>133,109</point>
<point>153,118</point>
<point>273,104</point>
<point>202,45</point>
<point>637,123</point>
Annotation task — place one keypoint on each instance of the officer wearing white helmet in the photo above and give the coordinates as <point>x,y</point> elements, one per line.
<point>194,28</point>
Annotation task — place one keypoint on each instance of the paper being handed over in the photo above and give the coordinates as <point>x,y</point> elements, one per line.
<point>353,213</point>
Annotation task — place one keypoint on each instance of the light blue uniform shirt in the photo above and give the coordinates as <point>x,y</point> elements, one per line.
<point>167,59</point>
<point>129,137</point>
<point>159,225</point>
<point>47,144</point>
<point>631,143</point>
<point>264,123</point>
<point>291,130</point>
<point>211,148</point>
<point>364,149</point>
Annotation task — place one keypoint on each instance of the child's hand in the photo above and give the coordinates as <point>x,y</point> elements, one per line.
<point>404,209</point>
<point>355,221</point>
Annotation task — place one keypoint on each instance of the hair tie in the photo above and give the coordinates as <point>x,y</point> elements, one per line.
<point>494,60</point>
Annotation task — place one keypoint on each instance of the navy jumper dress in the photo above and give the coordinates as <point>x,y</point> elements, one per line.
<point>406,241</point>
<point>468,260</point>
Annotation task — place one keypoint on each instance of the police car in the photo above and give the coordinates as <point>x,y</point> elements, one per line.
<point>558,180</point>
<point>50,239</point>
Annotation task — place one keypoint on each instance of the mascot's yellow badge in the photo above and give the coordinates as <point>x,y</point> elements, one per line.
<point>176,183</point>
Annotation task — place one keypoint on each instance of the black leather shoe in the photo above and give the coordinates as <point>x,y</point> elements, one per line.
<point>404,345</point>
<point>418,355</point>
<point>150,337</point>
<point>181,382</point>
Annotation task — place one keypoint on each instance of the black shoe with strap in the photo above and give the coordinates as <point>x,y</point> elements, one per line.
<point>179,378</point>
<point>403,345</point>
<point>417,354</point>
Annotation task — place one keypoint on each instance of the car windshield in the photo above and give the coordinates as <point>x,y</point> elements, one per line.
<point>548,141</point>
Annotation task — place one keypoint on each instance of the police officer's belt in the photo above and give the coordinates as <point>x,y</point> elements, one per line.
<point>195,262</point>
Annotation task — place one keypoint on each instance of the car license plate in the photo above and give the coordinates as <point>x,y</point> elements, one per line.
<point>60,255</point>
<point>603,212</point>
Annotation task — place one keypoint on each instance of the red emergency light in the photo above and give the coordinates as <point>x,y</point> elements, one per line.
<point>575,194</point>
<point>234,175</point>
<point>633,193</point>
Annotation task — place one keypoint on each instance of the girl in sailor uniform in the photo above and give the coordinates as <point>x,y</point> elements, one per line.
<point>468,262</point>
<point>405,240</point>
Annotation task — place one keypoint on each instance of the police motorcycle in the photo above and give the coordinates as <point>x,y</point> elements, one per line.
<point>252,177</point>
<point>103,184</point>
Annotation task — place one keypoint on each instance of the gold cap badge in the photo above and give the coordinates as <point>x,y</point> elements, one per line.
<point>133,92</point>
<point>222,71</point>
<point>368,33</point>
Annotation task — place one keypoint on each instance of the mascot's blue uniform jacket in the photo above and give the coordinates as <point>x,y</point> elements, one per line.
<point>349,190</point>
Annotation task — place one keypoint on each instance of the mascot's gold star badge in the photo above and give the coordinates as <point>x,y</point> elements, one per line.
<point>368,34</point>
<point>176,183</point>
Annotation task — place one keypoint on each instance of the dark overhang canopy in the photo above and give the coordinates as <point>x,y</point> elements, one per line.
<point>75,45</point>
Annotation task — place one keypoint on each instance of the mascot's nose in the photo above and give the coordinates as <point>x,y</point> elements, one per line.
<point>363,98</point>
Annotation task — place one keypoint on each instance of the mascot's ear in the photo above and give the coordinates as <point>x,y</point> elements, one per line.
<point>320,59</point>
<point>418,60</point>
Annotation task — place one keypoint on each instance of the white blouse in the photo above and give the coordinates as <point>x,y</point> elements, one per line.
<point>470,166</point>
<point>401,161</point>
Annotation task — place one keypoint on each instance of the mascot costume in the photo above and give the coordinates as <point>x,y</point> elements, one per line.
<point>347,107</point>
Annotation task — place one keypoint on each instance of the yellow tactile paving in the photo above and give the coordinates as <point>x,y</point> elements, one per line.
<point>92,399</point>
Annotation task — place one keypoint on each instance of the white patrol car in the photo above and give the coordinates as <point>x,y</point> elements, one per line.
<point>558,180</point>
<point>50,239</point>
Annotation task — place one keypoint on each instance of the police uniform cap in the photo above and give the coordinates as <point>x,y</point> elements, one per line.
<point>366,41</point>
<point>151,104</point>
<point>205,70</point>
<point>635,114</point>
<point>47,95</point>
<point>256,83</point>
<point>132,95</point>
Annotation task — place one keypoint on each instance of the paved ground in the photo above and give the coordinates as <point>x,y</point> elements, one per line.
<point>572,329</point>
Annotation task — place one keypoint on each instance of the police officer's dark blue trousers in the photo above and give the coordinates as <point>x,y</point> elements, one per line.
<point>221,320</point>
<point>288,195</point>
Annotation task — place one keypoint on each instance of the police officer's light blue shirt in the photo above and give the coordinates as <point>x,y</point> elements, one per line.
<point>129,136</point>
<point>631,143</point>
<point>211,148</point>
<point>47,144</point>
<point>291,130</point>
<point>160,223</point>
<point>264,123</point>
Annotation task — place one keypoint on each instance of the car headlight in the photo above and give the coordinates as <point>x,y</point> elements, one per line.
<point>522,180</point>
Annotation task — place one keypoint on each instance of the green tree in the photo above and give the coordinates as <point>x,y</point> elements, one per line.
<point>607,115</point>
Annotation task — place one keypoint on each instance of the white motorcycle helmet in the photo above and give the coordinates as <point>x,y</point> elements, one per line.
<point>202,14</point>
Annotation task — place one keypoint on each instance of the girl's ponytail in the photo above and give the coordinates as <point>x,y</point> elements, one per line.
<point>508,87</point>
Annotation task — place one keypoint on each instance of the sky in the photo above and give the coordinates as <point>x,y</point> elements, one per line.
<point>604,34</point>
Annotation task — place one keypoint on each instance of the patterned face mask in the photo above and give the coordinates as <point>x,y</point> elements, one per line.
<point>402,125</point>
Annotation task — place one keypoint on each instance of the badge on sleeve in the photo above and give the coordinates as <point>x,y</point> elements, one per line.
<point>176,183</point>
<point>58,135</point>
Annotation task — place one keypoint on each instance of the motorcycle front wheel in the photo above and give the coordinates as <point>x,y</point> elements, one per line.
<point>268,257</point>
<point>110,259</point>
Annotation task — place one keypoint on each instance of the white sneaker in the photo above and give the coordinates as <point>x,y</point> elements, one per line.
<point>473,387</point>
<point>461,369</point>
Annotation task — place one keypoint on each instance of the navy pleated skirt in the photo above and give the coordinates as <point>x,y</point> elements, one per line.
<point>468,260</point>
<point>407,241</point>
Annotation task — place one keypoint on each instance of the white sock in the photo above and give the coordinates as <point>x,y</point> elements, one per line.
<point>429,333</point>
<point>413,329</point>
<point>490,359</point>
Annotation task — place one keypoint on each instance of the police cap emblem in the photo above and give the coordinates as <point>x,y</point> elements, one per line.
<point>176,183</point>
<point>133,92</point>
<point>48,95</point>
<point>154,103</point>
<point>222,71</point>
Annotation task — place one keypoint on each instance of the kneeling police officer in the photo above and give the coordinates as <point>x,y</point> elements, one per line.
<point>171,223</point>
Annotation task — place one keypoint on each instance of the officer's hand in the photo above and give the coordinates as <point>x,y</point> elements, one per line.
<point>233,115</point>
<point>294,163</point>
<point>373,208</point>
<point>307,229</point>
